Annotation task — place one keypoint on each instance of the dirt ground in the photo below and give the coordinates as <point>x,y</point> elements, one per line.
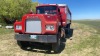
<point>76,46</point>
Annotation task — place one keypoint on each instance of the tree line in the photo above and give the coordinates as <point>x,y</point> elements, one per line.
<point>11,10</point>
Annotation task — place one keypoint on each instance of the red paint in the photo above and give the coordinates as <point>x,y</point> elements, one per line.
<point>48,19</point>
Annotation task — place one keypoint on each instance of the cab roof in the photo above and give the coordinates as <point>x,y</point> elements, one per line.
<point>51,5</point>
<point>58,5</point>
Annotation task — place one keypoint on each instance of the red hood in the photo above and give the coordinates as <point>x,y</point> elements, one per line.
<point>48,17</point>
<point>45,19</point>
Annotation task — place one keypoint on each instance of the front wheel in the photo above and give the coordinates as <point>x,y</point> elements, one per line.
<point>23,44</point>
<point>63,35</point>
<point>56,46</point>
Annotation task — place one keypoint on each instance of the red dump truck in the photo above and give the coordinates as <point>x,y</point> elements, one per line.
<point>49,24</point>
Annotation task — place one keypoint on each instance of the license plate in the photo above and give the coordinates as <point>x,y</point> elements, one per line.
<point>33,36</point>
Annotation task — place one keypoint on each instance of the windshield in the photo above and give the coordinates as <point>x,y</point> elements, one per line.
<point>47,10</point>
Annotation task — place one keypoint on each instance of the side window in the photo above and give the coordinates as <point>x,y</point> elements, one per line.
<point>68,17</point>
<point>67,14</point>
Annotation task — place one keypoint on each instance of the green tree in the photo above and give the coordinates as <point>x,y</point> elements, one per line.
<point>33,6</point>
<point>10,10</point>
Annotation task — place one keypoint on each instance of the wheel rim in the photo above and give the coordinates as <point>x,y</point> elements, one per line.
<point>63,33</point>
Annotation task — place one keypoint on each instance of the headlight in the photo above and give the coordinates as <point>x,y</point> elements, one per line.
<point>18,27</point>
<point>50,27</point>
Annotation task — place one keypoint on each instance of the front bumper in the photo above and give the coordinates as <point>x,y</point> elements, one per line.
<point>37,38</point>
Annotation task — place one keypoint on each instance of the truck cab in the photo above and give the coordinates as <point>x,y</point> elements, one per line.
<point>50,23</point>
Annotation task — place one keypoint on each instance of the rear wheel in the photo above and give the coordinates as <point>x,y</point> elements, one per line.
<point>56,46</point>
<point>68,31</point>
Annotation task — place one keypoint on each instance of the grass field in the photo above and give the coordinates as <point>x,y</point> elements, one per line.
<point>85,42</point>
<point>92,23</point>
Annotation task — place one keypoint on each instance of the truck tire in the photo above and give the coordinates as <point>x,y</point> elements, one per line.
<point>56,46</point>
<point>67,30</point>
<point>63,34</point>
<point>23,44</point>
<point>63,37</point>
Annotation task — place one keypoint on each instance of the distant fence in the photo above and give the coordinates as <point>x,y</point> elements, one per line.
<point>7,27</point>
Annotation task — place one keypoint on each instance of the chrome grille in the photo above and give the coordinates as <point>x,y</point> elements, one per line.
<point>33,26</point>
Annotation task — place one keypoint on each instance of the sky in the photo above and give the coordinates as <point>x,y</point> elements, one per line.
<point>80,9</point>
